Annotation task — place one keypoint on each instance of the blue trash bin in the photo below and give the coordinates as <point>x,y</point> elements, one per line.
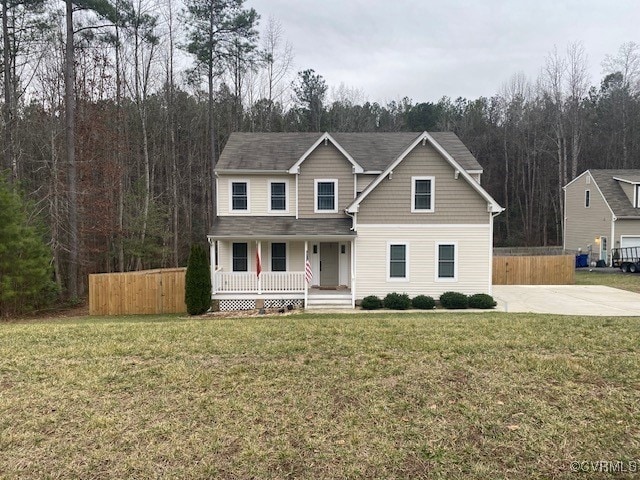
<point>582,260</point>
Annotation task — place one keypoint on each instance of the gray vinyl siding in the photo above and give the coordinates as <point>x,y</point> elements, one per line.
<point>627,228</point>
<point>364,181</point>
<point>259,194</point>
<point>582,224</point>
<point>325,162</point>
<point>456,201</point>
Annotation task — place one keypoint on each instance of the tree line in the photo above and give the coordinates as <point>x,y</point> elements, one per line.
<point>115,111</point>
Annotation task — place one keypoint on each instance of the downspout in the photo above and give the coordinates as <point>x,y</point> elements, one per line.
<point>492,215</point>
<point>613,238</point>
<point>353,258</point>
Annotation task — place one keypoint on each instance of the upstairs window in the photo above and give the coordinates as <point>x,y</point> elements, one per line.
<point>325,193</point>
<point>637,196</point>
<point>422,193</point>
<point>278,200</point>
<point>240,263</point>
<point>587,199</point>
<point>278,257</point>
<point>239,196</point>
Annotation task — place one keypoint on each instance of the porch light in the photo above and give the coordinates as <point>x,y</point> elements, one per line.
<point>597,240</point>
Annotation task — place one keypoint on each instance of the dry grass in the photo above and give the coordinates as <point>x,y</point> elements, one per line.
<point>615,278</point>
<point>361,396</point>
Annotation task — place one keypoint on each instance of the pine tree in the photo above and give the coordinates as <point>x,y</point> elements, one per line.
<point>198,282</point>
<point>25,272</point>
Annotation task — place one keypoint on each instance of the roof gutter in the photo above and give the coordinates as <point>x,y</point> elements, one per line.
<point>252,172</point>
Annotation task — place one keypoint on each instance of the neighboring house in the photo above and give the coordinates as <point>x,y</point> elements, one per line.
<point>372,212</point>
<point>602,212</point>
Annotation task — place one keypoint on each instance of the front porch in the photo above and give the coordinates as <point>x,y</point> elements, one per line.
<point>247,290</point>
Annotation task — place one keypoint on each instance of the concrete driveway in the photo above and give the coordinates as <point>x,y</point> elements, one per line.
<point>567,300</point>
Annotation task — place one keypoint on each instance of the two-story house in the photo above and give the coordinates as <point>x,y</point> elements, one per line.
<point>328,219</point>
<point>602,213</point>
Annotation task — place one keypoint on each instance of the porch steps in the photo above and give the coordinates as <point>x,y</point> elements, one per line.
<point>328,301</point>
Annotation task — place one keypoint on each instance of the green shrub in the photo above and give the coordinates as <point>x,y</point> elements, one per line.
<point>397,301</point>
<point>371,303</point>
<point>197,293</point>
<point>454,300</point>
<point>423,302</point>
<point>481,300</point>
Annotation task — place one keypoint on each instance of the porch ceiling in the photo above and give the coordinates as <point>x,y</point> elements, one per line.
<point>270,227</point>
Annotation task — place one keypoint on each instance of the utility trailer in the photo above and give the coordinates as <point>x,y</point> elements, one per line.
<point>627,258</point>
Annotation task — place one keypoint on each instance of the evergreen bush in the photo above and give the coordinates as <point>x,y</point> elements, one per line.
<point>198,282</point>
<point>397,301</point>
<point>481,300</point>
<point>423,302</point>
<point>25,273</point>
<point>454,300</point>
<point>371,303</point>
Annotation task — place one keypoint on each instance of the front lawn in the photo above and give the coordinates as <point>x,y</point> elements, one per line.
<point>616,279</point>
<point>317,396</point>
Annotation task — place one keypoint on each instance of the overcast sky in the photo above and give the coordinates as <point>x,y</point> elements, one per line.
<point>427,49</point>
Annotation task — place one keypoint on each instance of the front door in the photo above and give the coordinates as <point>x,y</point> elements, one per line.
<point>329,264</point>
<point>603,248</point>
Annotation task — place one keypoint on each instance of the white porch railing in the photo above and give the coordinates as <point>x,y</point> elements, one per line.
<point>248,282</point>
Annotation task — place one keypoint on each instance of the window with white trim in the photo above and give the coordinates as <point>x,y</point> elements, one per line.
<point>637,196</point>
<point>587,198</point>
<point>422,194</point>
<point>277,196</point>
<point>325,196</point>
<point>278,257</point>
<point>240,257</point>
<point>397,261</point>
<point>239,196</point>
<point>447,261</point>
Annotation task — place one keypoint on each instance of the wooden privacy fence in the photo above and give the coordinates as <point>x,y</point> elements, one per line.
<point>147,291</point>
<point>534,270</point>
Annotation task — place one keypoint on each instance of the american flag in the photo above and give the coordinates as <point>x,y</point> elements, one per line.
<point>308,273</point>
<point>258,262</point>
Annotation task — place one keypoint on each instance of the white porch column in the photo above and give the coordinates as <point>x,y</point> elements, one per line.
<point>213,261</point>
<point>259,255</point>
<point>353,273</point>
<point>306,284</point>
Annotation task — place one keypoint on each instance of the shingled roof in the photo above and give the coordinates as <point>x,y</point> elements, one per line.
<point>613,193</point>
<point>372,151</point>
<point>239,226</point>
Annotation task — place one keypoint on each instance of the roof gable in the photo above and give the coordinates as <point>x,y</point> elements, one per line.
<point>422,138</point>
<point>608,183</point>
<point>326,137</point>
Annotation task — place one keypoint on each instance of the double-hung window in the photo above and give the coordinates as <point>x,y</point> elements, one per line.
<point>397,261</point>
<point>277,196</point>
<point>278,257</point>
<point>325,193</point>
<point>239,196</point>
<point>447,264</point>
<point>240,258</point>
<point>422,194</point>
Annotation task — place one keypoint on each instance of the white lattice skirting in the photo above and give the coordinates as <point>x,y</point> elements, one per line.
<point>248,304</point>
